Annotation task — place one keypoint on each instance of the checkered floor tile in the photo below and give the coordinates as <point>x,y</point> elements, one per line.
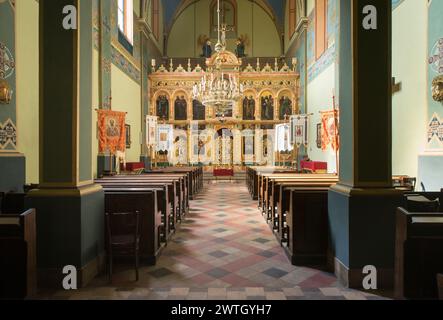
<point>223,250</point>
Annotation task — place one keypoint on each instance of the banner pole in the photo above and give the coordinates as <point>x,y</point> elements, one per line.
<point>337,165</point>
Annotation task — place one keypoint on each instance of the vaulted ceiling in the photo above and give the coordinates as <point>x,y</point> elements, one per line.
<point>171,6</point>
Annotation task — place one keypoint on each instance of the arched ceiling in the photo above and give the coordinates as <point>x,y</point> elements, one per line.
<point>170,7</point>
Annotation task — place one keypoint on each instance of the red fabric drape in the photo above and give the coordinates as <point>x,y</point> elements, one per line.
<point>329,132</point>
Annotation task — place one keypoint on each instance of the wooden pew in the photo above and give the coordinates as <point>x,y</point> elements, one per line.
<point>426,194</point>
<point>144,201</point>
<point>167,198</point>
<point>263,181</point>
<point>183,186</point>
<point>270,182</point>
<point>252,177</point>
<point>18,257</point>
<point>279,202</point>
<point>168,222</point>
<point>418,254</point>
<point>178,180</point>
<point>194,177</point>
<point>306,231</point>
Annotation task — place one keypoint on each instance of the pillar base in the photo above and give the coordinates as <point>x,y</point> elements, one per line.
<point>70,231</point>
<point>353,278</point>
<point>362,233</point>
<point>12,173</point>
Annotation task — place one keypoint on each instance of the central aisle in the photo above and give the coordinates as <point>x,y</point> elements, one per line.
<point>223,250</point>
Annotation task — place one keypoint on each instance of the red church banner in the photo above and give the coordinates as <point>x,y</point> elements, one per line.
<point>111,131</point>
<point>329,131</point>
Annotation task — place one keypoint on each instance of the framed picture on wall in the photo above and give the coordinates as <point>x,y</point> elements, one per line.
<point>319,135</point>
<point>128,136</point>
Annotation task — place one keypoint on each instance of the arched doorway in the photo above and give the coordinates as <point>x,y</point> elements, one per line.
<point>224,146</point>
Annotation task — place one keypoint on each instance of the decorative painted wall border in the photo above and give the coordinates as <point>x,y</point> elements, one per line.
<point>120,61</point>
<point>320,65</point>
<point>8,135</point>
<point>435,129</point>
<point>316,67</point>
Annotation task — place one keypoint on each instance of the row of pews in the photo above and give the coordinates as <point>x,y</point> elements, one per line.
<point>162,198</point>
<point>295,207</point>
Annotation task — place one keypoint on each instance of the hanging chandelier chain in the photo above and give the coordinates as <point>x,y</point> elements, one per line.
<point>218,88</point>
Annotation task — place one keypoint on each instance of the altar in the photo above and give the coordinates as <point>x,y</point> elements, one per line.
<point>223,172</point>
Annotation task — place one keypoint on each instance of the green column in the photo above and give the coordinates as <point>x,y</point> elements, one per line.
<point>70,208</point>
<point>144,69</point>
<point>12,163</point>
<point>362,205</point>
<point>105,162</point>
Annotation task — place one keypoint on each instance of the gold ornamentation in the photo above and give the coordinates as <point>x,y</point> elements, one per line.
<point>437,88</point>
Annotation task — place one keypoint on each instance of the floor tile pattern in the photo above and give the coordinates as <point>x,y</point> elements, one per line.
<point>223,250</point>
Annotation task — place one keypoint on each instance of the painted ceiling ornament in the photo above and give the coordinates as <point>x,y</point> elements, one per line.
<point>437,88</point>
<point>7,64</point>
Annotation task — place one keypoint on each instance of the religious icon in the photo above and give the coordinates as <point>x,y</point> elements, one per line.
<point>198,110</point>
<point>163,108</point>
<point>112,129</point>
<point>180,108</point>
<point>248,108</point>
<point>285,108</point>
<point>267,104</point>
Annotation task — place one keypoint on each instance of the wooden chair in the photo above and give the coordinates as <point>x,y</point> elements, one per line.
<point>123,238</point>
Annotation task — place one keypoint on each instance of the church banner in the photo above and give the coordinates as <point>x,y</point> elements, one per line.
<point>164,137</point>
<point>112,131</point>
<point>329,131</point>
<point>299,130</point>
<point>151,130</point>
<point>282,132</point>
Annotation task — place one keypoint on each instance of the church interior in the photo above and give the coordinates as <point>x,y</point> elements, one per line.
<point>221,149</point>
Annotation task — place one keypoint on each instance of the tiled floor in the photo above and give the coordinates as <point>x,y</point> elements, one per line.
<point>223,250</point>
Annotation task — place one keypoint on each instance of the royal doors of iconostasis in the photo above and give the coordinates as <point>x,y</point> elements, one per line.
<point>224,147</point>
